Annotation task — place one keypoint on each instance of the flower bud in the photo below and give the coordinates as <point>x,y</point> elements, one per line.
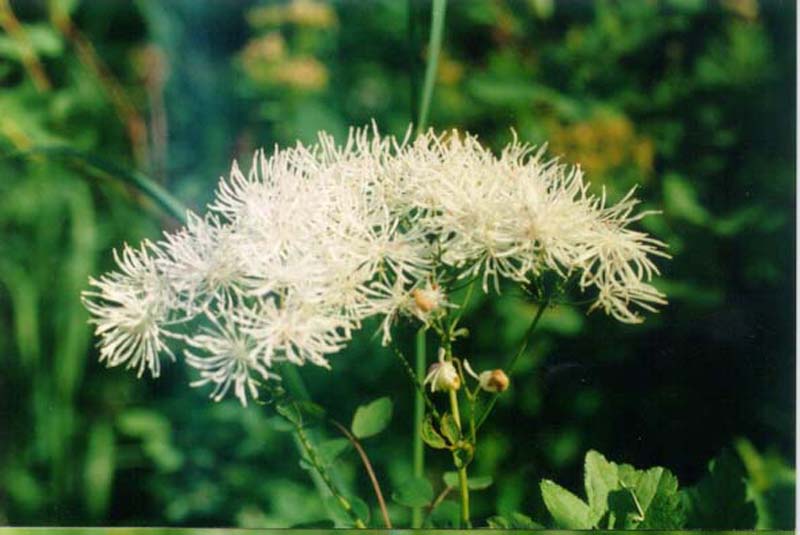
<point>494,381</point>
<point>443,375</point>
<point>426,300</point>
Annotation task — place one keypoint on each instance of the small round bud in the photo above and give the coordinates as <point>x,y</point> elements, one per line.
<point>427,299</point>
<point>494,381</point>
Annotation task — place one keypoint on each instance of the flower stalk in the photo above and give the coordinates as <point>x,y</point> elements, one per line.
<point>461,467</point>
<point>319,468</point>
<point>419,415</point>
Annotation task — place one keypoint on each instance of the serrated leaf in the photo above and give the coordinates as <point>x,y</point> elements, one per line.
<point>513,521</point>
<point>414,492</point>
<point>372,418</point>
<point>600,477</point>
<point>430,436</point>
<point>628,475</point>
<point>658,496</point>
<point>622,510</point>
<point>568,511</point>
<point>473,483</point>
<point>719,500</point>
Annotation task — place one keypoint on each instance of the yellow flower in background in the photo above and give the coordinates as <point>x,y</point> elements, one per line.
<point>306,13</point>
<point>747,9</point>
<point>603,143</point>
<point>310,14</point>
<point>265,60</point>
<point>450,71</point>
<point>268,48</point>
<point>307,74</point>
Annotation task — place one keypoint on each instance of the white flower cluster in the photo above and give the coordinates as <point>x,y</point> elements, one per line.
<point>294,255</point>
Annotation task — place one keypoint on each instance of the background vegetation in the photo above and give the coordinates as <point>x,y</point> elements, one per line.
<point>694,100</point>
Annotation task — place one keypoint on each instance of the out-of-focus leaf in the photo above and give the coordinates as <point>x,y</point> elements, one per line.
<point>446,515</point>
<point>680,200</point>
<point>372,418</point>
<point>99,469</point>
<point>473,483</point>
<point>513,521</point>
<point>413,492</point>
<point>314,524</point>
<point>330,450</point>
<point>24,296</point>
<point>719,500</point>
<point>360,508</point>
<point>771,484</point>
<point>153,429</point>
<point>41,37</point>
<point>23,487</point>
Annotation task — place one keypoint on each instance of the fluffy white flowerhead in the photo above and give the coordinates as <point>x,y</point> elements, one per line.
<point>294,255</point>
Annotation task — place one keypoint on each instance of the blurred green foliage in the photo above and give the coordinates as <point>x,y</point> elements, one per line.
<point>693,100</point>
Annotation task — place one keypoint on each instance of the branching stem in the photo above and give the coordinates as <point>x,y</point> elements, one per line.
<point>316,463</point>
<point>368,467</point>
<point>513,360</point>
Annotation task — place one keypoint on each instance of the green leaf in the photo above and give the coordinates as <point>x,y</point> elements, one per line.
<point>99,468</point>
<point>568,511</point>
<point>414,492</point>
<point>645,500</point>
<point>600,478</point>
<point>771,483</point>
<point>719,500</point>
<point>431,437</point>
<point>622,509</point>
<point>681,201</point>
<point>450,428</point>
<point>446,515</point>
<point>290,412</point>
<point>314,524</point>
<point>311,409</point>
<point>360,507</point>
<point>513,521</point>
<point>278,423</point>
<point>658,496</point>
<point>330,450</point>
<point>372,418</point>
<point>473,483</point>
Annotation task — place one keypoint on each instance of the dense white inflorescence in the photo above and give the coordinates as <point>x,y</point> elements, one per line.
<point>294,255</point>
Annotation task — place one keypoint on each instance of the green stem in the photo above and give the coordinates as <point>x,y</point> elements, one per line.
<point>434,48</point>
<point>294,382</point>
<point>462,470</point>
<point>419,416</point>
<point>513,360</point>
<point>138,181</point>
<point>297,390</point>
<point>313,458</point>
